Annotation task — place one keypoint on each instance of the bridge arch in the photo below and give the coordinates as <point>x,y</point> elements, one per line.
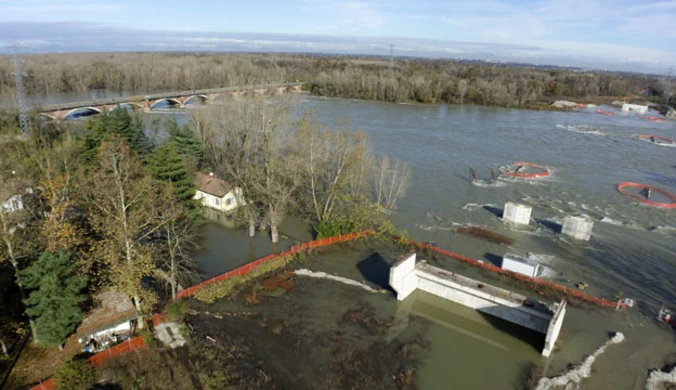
<point>82,111</point>
<point>47,116</point>
<point>194,98</point>
<point>170,101</point>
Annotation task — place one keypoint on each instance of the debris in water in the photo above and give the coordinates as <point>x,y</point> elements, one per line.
<point>571,379</point>
<point>282,280</point>
<point>485,234</point>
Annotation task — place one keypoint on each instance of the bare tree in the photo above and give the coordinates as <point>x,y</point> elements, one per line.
<point>178,240</point>
<point>390,182</point>
<point>246,139</point>
<point>335,165</point>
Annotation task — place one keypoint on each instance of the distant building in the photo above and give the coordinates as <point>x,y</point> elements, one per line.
<point>626,107</point>
<point>217,193</point>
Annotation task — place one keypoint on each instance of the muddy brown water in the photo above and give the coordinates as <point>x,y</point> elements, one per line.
<point>632,249</point>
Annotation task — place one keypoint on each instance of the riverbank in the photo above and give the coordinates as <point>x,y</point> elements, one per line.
<point>369,78</point>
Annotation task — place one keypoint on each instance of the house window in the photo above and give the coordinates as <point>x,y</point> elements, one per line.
<point>217,202</point>
<point>228,201</point>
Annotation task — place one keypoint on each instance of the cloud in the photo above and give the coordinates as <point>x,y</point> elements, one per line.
<point>56,6</point>
<point>74,37</point>
<point>555,19</point>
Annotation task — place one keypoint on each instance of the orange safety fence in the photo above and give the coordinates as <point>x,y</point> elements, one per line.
<point>248,267</point>
<point>535,281</point>
<point>98,359</point>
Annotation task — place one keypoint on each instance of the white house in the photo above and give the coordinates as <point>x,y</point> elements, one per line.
<point>216,193</point>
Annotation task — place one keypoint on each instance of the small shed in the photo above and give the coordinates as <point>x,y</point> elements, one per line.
<point>112,319</point>
<point>521,265</point>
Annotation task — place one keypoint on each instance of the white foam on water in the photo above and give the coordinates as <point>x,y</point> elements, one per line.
<point>611,221</point>
<point>542,258</point>
<point>324,275</point>
<point>664,229</point>
<point>658,143</point>
<point>657,379</point>
<point>431,228</point>
<point>582,129</point>
<point>571,379</point>
<point>489,184</point>
<point>476,206</point>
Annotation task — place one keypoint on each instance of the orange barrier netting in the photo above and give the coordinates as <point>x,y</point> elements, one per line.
<point>535,281</point>
<point>655,119</point>
<point>655,137</point>
<point>545,172</point>
<point>98,359</point>
<point>604,112</point>
<point>645,200</point>
<point>248,267</point>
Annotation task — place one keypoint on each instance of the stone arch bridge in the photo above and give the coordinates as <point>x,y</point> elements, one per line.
<point>65,111</point>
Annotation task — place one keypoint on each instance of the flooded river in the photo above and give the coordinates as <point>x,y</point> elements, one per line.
<point>632,249</point>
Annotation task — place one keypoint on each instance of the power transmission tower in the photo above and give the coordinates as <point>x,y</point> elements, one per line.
<point>20,92</point>
<point>671,69</point>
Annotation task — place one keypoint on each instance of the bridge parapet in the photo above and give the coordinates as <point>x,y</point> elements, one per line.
<point>62,110</point>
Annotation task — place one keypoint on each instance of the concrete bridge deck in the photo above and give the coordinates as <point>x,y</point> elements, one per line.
<point>406,276</point>
<point>180,98</point>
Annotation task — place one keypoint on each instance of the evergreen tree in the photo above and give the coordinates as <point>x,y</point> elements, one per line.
<point>165,164</point>
<point>56,295</point>
<point>119,122</point>
<point>187,143</point>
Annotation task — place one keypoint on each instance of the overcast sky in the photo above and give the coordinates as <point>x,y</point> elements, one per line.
<point>615,34</point>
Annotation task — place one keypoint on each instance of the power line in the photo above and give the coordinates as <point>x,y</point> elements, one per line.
<point>20,91</point>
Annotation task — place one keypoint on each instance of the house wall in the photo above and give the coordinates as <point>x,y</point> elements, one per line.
<point>124,327</point>
<point>230,201</point>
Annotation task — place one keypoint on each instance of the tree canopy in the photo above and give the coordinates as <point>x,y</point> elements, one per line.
<point>54,275</point>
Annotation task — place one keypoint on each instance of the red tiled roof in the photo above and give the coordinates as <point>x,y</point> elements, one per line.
<point>212,185</point>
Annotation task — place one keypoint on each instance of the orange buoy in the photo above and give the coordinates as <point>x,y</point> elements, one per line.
<point>671,205</point>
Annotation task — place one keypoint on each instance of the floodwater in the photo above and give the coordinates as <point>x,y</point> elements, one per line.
<point>632,250</point>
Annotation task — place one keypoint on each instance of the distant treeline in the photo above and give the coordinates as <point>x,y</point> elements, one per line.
<point>413,80</point>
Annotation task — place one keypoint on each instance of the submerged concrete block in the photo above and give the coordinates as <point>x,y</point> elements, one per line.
<point>577,227</point>
<point>522,265</point>
<point>403,277</point>
<point>517,213</point>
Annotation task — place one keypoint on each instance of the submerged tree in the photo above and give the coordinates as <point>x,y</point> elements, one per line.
<point>176,244</point>
<point>390,182</point>
<point>55,297</point>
